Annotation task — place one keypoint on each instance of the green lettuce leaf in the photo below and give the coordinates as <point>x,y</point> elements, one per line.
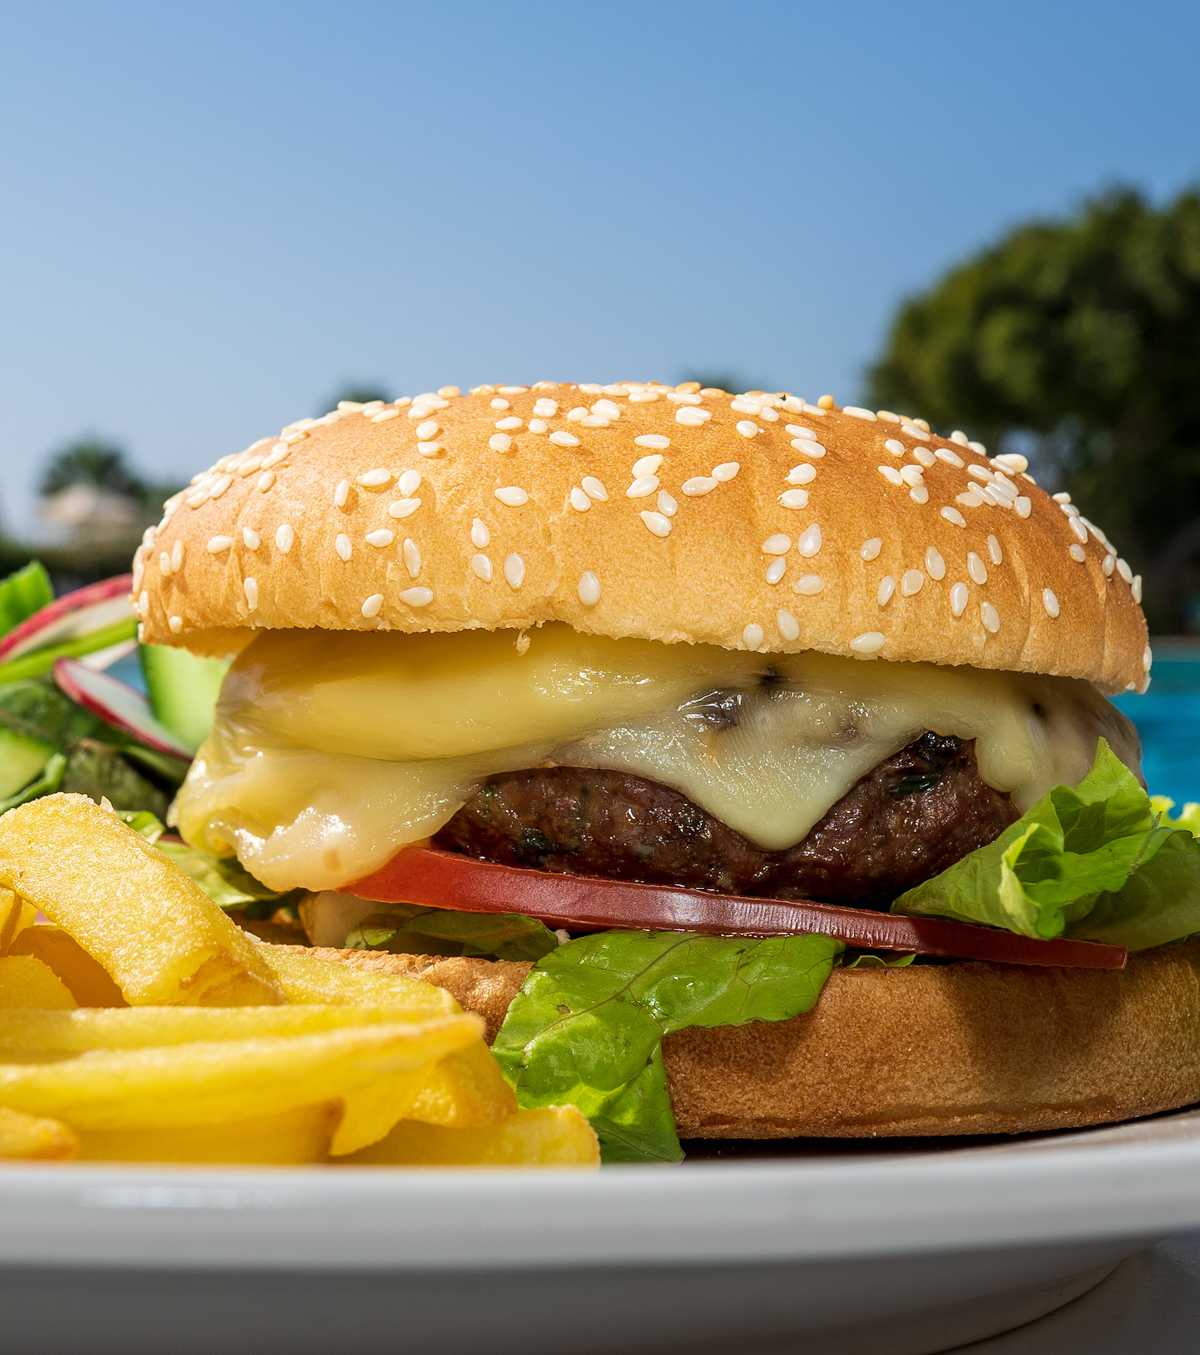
<point>224,881</point>
<point>411,929</point>
<point>588,1024</point>
<point>869,959</point>
<point>1092,861</point>
<point>48,780</point>
<point>22,593</point>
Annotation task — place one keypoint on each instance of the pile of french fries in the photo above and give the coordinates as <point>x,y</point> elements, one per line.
<point>139,1023</point>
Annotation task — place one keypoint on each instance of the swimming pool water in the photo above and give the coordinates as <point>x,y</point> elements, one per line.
<point>1168,719</point>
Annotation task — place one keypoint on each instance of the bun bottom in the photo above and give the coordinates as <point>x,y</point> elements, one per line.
<point>940,1049</point>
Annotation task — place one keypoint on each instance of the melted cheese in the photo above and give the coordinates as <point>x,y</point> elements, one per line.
<point>331,752</point>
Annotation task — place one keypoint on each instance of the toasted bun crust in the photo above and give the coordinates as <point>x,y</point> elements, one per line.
<point>963,1048</point>
<point>675,514</point>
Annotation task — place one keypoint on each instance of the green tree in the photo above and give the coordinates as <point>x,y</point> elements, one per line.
<point>96,463</point>
<point>1079,341</point>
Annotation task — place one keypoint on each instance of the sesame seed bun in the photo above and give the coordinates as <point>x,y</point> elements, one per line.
<point>964,1048</point>
<point>675,514</point>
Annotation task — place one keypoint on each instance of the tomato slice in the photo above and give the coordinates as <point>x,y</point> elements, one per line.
<point>438,879</point>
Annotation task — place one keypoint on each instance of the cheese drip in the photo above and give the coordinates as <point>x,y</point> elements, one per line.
<point>330,752</point>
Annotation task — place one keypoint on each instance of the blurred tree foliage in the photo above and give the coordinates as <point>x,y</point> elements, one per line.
<point>101,465</point>
<point>1080,342</point>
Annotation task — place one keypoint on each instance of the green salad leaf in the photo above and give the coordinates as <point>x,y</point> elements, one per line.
<point>1093,861</point>
<point>411,929</point>
<point>47,781</point>
<point>588,1024</point>
<point>22,593</point>
<point>224,881</point>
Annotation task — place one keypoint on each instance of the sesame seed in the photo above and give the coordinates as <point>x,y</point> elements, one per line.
<point>803,474</point>
<point>1124,571</point>
<point>994,551</point>
<point>826,402</point>
<point>990,617</point>
<point>1147,658</point>
<point>657,523</point>
<point>403,508</point>
<point>175,624</point>
<point>869,642</point>
<point>514,570</point>
<point>217,544</point>
<point>747,428</point>
<point>430,428</point>
<point>742,405</point>
<point>924,456</point>
<point>642,397</point>
<point>960,437</point>
<point>978,448</point>
<point>979,472</point>
<point>1023,505</point>
<point>375,479</point>
<point>799,431</point>
<point>698,485</point>
<point>373,605</point>
<point>890,474</point>
<point>809,447</point>
<point>667,503</point>
<point>500,442</point>
<point>870,548</point>
<point>794,498</point>
<point>779,544</point>
<point>911,475</point>
<point>935,565</point>
<point>959,597</point>
<point>976,569</point>
<point>1109,564</point>
<point>681,397</point>
<point>384,415</point>
<point>576,414</point>
<point>417,597</point>
<point>341,494</point>
<point>537,425</point>
<point>606,409</point>
<point>647,465</point>
<point>512,495</point>
<point>589,588</point>
<point>579,500</point>
<point>544,408</point>
<point>1136,587</point>
<point>380,537</point>
<point>343,547</point>
<point>809,542</point>
<point>250,588</point>
<point>1050,602</point>
<point>949,457</point>
<point>349,406</point>
<point>480,535</point>
<point>857,412</point>
<point>481,567</point>
<point>594,488</point>
<point>285,537</point>
<point>895,446</point>
<point>513,390</point>
<point>808,585</point>
<point>1014,463</point>
<point>912,431</point>
<point>177,557</point>
<point>499,403</point>
<point>1077,553</point>
<point>642,487</point>
<point>409,482</point>
<point>220,485</point>
<point>652,440</point>
<point>509,423</point>
<point>265,481</point>
<point>251,538</point>
<point>726,471</point>
<point>788,626</point>
<point>776,570</point>
<point>691,416</point>
<point>954,516</point>
<point>561,438</point>
<point>887,587</point>
<point>753,635</point>
<point>277,454</point>
<point>919,494</point>
<point>911,582</point>
<point>970,498</point>
<point>143,602</point>
<point>164,562</point>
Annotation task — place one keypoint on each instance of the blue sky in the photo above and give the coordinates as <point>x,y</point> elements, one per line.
<point>211,216</point>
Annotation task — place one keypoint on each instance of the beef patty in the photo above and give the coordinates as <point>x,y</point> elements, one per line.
<point>916,813</point>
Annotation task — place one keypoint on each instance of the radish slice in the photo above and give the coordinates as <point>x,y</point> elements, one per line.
<point>105,658</point>
<point>117,704</point>
<point>74,614</point>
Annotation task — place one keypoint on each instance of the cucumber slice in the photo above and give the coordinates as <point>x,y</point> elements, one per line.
<point>182,690</point>
<point>21,759</point>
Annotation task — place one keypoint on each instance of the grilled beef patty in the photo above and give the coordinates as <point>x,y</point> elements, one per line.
<point>916,813</point>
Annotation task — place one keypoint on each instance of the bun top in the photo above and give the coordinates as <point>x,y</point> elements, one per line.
<point>754,521</point>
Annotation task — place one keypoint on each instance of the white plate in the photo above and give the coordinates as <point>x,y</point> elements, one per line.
<point>843,1249</point>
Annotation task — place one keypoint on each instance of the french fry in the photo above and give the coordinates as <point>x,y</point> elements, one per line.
<point>31,1137</point>
<point>559,1136</point>
<point>305,977</point>
<point>155,931</point>
<point>291,1138</point>
<point>83,976</point>
<point>15,915</point>
<point>26,982</point>
<point>210,1083</point>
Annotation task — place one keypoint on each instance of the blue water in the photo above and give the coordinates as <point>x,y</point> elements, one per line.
<point>1168,719</point>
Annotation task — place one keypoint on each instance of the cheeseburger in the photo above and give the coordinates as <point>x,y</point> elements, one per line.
<point>746,762</point>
